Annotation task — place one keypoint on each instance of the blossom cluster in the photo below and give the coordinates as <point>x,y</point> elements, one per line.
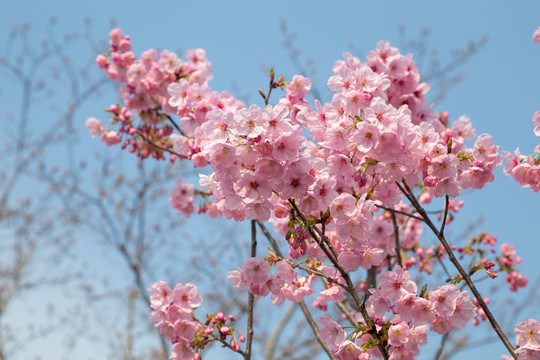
<point>340,169</point>
<point>444,309</point>
<point>173,314</point>
<point>525,169</point>
<point>146,87</point>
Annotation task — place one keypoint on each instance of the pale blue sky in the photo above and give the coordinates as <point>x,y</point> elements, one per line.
<point>500,93</point>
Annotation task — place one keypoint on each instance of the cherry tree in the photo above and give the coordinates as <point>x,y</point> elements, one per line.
<point>345,183</point>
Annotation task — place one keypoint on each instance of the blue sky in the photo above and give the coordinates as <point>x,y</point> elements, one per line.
<point>500,92</point>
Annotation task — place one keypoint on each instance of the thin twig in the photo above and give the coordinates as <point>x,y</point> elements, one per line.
<point>172,152</point>
<point>315,329</point>
<point>441,346</point>
<point>445,215</point>
<point>399,212</point>
<point>270,238</point>
<point>175,124</point>
<point>341,306</point>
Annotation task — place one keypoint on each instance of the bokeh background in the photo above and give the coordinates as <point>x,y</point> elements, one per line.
<point>76,293</point>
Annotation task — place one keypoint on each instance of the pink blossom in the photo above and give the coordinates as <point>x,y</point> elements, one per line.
<point>182,197</point>
<point>185,329</point>
<point>342,207</point>
<point>377,304</point>
<point>536,119</point>
<point>444,299</point>
<point>536,36</point>
<point>95,126</point>
<point>182,350</point>
<point>398,334</point>
<point>441,325</point>
<point>186,297</point>
<point>528,333</point>
<point>110,137</point>
<point>464,311</point>
<point>235,277</point>
<point>160,294</point>
<point>348,350</point>
<point>396,284</point>
<point>332,333</point>
<point>255,271</point>
<point>516,280</point>
<point>422,312</point>
<point>299,86</point>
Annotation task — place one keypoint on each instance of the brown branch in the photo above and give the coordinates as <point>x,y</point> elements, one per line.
<point>251,298</point>
<point>350,286</point>
<point>399,212</point>
<point>303,306</point>
<point>172,152</point>
<point>446,204</point>
<point>409,194</point>
<point>441,346</point>
<point>315,329</point>
<point>396,236</point>
<point>341,306</point>
<point>175,124</point>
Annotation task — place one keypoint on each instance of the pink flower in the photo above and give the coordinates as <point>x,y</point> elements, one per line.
<point>160,294</point>
<point>377,305</point>
<point>528,333</point>
<point>396,284</point>
<point>464,311</point>
<point>536,121</point>
<point>348,350</point>
<point>444,299</point>
<point>235,277</point>
<point>441,325</point>
<point>516,280</point>
<point>95,126</point>
<point>182,197</point>
<point>255,271</point>
<point>110,137</point>
<point>186,297</point>
<point>299,86</point>
<point>343,207</point>
<point>332,333</point>
<point>422,312</point>
<point>536,36</point>
<point>398,334</point>
<point>182,350</point>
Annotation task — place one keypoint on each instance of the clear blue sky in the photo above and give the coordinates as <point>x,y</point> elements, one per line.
<point>500,93</point>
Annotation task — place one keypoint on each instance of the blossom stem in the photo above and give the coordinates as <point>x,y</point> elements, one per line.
<point>409,194</point>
